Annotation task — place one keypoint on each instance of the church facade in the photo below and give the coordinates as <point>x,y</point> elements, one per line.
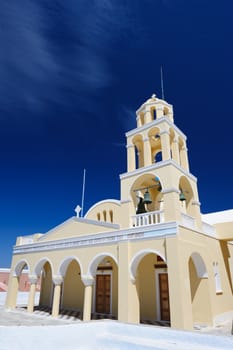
<point>151,255</point>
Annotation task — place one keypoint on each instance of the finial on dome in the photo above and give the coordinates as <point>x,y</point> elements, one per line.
<point>153,96</point>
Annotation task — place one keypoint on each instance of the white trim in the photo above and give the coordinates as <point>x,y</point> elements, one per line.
<point>133,266</point>
<point>40,264</point>
<point>77,219</point>
<point>64,264</point>
<point>199,265</point>
<point>97,223</point>
<point>93,265</point>
<point>156,166</point>
<point>46,234</point>
<point>157,288</point>
<point>5,270</point>
<point>20,266</point>
<point>112,201</point>
<point>103,272</point>
<point>113,237</point>
<point>155,123</point>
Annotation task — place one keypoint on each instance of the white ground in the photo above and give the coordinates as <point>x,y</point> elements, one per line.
<point>21,331</point>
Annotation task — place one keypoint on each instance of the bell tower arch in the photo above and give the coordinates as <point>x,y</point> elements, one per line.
<point>158,147</point>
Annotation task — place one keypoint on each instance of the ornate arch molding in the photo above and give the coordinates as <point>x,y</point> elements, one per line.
<point>65,263</point>
<point>137,259</point>
<point>19,267</point>
<point>96,260</point>
<point>199,265</point>
<point>40,264</point>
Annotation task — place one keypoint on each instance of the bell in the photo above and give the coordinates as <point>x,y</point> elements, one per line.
<point>182,196</point>
<point>147,199</point>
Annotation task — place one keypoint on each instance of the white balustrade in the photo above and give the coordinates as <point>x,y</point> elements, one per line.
<point>150,218</point>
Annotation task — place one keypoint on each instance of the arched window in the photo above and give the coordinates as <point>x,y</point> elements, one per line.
<point>105,215</point>
<point>158,157</point>
<point>111,215</point>
<point>98,216</point>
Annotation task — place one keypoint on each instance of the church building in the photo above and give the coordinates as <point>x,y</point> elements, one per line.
<point>149,256</point>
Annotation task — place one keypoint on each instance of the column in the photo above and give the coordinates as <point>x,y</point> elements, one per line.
<point>148,116</point>
<point>57,280</point>
<point>165,144</point>
<point>175,150</point>
<point>88,282</point>
<point>128,300</point>
<point>139,122</point>
<point>12,292</point>
<point>147,152</point>
<point>184,157</point>
<point>171,204</point>
<point>131,157</point>
<point>179,286</point>
<point>196,213</point>
<point>31,300</point>
<point>159,112</point>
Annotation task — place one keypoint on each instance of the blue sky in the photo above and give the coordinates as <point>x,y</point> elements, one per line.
<point>73,73</point>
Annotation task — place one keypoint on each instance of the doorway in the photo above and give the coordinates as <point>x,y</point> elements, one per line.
<point>103,294</point>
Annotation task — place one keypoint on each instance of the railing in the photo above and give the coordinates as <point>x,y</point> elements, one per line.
<point>188,220</point>
<point>150,218</point>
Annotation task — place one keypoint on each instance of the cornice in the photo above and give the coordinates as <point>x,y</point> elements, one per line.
<point>155,166</point>
<point>134,233</point>
<point>156,122</point>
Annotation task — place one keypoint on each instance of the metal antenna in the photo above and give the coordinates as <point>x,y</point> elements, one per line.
<point>83,192</point>
<point>161,75</point>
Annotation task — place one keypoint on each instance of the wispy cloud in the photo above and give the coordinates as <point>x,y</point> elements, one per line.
<point>58,52</point>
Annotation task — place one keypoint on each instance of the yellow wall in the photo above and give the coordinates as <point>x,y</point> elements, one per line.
<point>73,288</point>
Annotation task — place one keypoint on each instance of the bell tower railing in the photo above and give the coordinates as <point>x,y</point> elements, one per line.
<point>150,218</point>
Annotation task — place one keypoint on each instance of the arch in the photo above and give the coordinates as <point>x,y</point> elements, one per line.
<point>65,263</point>
<point>111,216</point>
<point>19,267</point>
<point>136,260</point>
<point>165,111</point>
<point>111,201</point>
<point>187,192</point>
<point>96,260</point>
<point>139,150</point>
<point>143,182</point>
<point>199,265</point>
<point>40,264</point>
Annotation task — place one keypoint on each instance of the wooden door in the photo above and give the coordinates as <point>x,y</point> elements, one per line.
<point>103,291</point>
<point>164,297</point>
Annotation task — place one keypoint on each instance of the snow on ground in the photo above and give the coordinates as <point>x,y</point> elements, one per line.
<point>97,335</point>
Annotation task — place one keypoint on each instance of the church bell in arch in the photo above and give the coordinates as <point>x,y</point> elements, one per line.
<point>147,197</point>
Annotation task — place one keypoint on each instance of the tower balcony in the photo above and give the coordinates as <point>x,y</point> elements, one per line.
<point>149,218</point>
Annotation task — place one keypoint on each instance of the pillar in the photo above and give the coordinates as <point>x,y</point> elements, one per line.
<point>31,299</point>
<point>147,152</point>
<point>184,158</point>
<point>57,280</point>
<point>12,292</point>
<point>165,145</point>
<point>175,150</point>
<point>88,282</point>
<point>131,157</point>
<point>128,301</point>
<point>179,286</point>
<point>196,213</point>
<point>148,116</point>
<point>139,122</point>
<point>171,206</point>
<point>159,112</point>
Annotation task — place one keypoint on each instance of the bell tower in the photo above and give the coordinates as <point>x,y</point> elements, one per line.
<point>158,174</point>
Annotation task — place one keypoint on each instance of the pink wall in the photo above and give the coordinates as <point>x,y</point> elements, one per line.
<point>24,284</point>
